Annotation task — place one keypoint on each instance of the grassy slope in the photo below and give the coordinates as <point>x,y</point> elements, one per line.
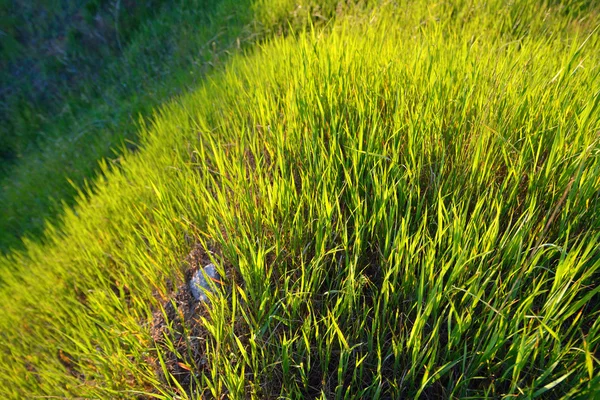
<point>63,137</point>
<point>405,205</point>
<point>58,142</point>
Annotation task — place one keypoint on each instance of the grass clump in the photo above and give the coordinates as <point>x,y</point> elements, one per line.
<point>401,204</point>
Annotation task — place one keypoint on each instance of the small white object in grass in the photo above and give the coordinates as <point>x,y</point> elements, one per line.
<point>203,281</point>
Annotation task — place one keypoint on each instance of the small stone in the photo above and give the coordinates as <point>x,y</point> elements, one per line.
<point>204,281</point>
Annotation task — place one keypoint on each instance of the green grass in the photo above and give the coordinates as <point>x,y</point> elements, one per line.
<point>55,139</point>
<point>402,203</point>
<point>51,142</point>
<point>54,56</point>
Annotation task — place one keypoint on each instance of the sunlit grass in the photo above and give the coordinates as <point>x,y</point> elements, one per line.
<point>403,203</point>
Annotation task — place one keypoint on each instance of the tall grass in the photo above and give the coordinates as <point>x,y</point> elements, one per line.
<point>402,204</point>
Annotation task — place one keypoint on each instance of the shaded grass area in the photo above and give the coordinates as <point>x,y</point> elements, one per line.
<point>47,46</point>
<point>61,132</point>
<point>401,204</point>
<point>54,136</point>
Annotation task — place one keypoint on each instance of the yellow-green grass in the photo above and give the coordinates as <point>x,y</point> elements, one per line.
<point>402,204</point>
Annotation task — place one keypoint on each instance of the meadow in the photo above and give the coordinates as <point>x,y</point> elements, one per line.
<point>402,200</point>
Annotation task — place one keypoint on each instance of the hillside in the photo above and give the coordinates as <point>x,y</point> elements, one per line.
<point>401,200</point>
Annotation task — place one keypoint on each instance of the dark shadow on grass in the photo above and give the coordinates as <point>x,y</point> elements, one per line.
<point>169,55</point>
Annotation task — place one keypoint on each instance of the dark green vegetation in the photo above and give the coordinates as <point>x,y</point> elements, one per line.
<point>74,90</point>
<point>73,93</point>
<point>402,202</point>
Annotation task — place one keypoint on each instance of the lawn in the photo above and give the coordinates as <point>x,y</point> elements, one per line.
<point>402,200</point>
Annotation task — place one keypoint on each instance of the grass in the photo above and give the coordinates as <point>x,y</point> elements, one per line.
<point>55,139</point>
<point>402,203</point>
<point>51,139</point>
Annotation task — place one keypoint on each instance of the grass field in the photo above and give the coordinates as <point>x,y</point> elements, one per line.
<point>402,199</point>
